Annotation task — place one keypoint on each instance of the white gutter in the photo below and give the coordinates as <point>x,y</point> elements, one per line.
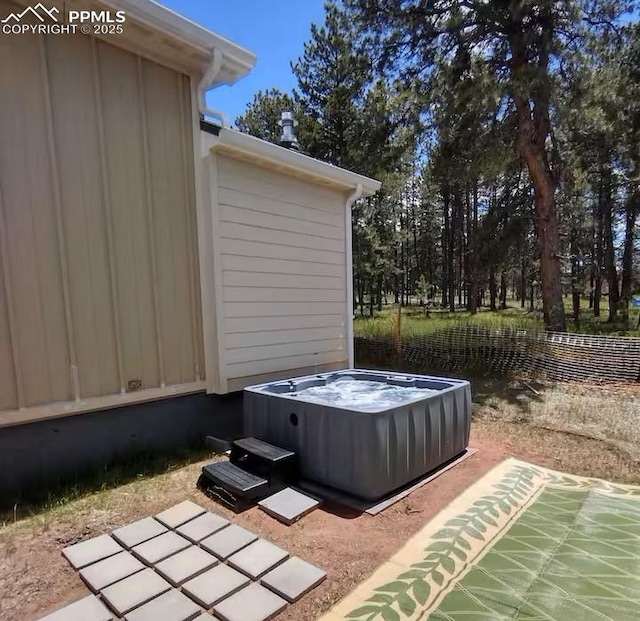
<point>237,61</point>
<point>208,79</point>
<point>357,193</point>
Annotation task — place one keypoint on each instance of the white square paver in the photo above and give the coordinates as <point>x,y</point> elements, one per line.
<point>171,606</point>
<point>205,616</point>
<point>179,514</point>
<point>134,591</point>
<point>90,551</point>
<point>89,608</point>
<point>288,505</point>
<point>186,565</point>
<point>201,527</point>
<point>293,579</point>
<point>255,603</point>
<point>210,587</point>
<point>228,541</point>
<point>110,570</point>
<point>160,547</point>
<point>258,558</point>
<point>139,532</point>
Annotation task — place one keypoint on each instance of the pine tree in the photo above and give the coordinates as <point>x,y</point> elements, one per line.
<point>332,79</point>
<point>262,116</point>
<point>522,43</point>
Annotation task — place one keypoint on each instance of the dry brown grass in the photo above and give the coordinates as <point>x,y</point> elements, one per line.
<point>565,452</point>
<point>599,425</point>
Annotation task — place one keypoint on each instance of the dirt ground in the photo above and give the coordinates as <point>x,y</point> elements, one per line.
<point>35,579</point>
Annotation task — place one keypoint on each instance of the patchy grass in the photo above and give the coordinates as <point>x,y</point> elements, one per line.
<point>566,452</point>
<point>415,322</point>
<point>96,483</point>
<point>606,415</point>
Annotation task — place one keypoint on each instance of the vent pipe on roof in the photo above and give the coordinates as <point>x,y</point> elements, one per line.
<point>288,138</point>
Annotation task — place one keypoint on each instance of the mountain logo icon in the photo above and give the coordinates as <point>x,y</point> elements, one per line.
<point>39,10</point>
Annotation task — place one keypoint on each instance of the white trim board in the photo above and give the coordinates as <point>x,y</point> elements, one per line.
<point>62,409</point>
<point>267,154</point>
<point>236,60</point>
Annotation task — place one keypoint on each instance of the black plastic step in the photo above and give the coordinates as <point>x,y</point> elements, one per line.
<point>262,449</point>
<point>273,463</point>
<point>235,480</point>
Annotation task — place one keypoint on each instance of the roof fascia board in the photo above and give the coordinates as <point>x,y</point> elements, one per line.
<point>237,61</point>
<point>235,141</point>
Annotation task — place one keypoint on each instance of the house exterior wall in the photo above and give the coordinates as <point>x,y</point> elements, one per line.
<point>282,273</point>
<point>99,281</point>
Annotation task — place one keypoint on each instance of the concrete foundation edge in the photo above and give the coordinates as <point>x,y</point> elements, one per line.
<point>46,454</point>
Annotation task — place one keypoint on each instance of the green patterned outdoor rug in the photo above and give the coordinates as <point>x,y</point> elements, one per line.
<point>522,543</point>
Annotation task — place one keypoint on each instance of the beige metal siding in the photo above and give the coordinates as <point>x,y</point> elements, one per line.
<point>31,258</point>
<point>99,285</point>
<point>77,158</point>
<point>282,244</point>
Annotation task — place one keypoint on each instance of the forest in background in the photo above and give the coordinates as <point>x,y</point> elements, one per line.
<point>507,137</point>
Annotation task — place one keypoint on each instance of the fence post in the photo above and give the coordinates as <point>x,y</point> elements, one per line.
<point>398,337</point>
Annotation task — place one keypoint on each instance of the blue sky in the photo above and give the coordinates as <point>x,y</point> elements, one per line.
<point>274,30</point>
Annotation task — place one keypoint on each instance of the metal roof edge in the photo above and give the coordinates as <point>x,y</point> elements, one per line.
<point>237,61</point>
<point>233,140</point>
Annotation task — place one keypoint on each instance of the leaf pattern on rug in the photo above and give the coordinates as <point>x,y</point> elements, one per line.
<point>450,548</point>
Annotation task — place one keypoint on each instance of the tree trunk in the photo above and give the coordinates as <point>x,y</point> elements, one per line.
<point>503,290</point>
<point>402,262</point>
<point>472,258</point>
<point>532,293</point>
<point>523,281</point>
<point>548,238</point>
<point>575,275</point>
<point>414,225</point>
<point>575,290</point>
<point>446,250</point>
<point>609,248</point>
<point>493,289</point>
<point>453,230</point>
<point>575,299</point>
<point>372,298</point>
<point>633,207</point>
<point>456,243</point>
<point>396,280</point>
<point>534,127</point>
<point>597,285</point>
<point>592,267</point>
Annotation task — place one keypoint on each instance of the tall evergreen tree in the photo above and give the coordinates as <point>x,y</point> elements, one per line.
<point>332,78</point>
<point>523,43</point>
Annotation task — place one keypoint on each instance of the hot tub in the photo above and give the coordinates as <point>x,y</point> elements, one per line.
<point>366,433</point>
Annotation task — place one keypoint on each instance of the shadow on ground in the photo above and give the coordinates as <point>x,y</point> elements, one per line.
<point>35,500</point>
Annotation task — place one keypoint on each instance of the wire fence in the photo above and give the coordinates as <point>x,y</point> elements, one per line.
<point>508,351</point>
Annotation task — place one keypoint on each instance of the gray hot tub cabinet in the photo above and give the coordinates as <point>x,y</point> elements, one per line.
<point>367,453</point>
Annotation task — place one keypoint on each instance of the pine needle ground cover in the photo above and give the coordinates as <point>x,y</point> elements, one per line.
<point>523,543</point>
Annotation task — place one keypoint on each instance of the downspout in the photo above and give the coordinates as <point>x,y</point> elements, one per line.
<point>205,83</point>
<point>357,193</point>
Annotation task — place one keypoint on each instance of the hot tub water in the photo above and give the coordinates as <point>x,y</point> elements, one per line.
<point>363,395</point>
